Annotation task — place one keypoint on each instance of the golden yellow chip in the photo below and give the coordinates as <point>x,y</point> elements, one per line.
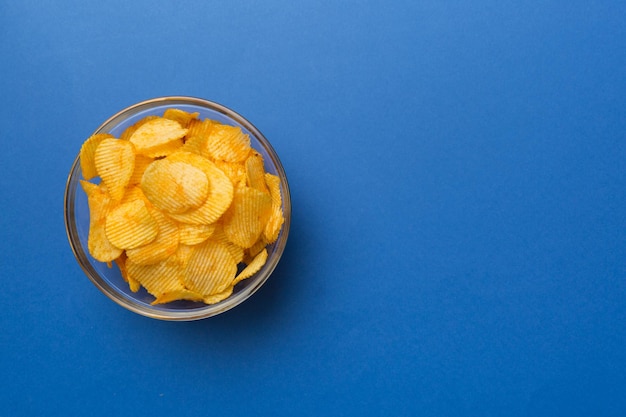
<point>235,171</point>
<point>130,225</point>
<point>227,143</point>
<point>115,162</point>
<point>220,191</point>
<point>181,294</point>
<point>216,298</point>
<point>141,163</point>
<point>181,116</point>
<point>159,278</point>
<point>210,268</point>
<point>100,203</point>
<point>255,172</point>
<point>128,132</point>
<point>175,186</point>
<point>158,137</point>
<point>199,129</point>
<point>164,244</point>
<point>253,267</point>
<point>276,219</point>
<point>133,284</point>
<point>237,252</point>
<point>88,155</point>
<point>192,234</point>
<point>246,218</point>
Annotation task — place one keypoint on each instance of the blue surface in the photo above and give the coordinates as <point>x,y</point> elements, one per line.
<point>458,184</point>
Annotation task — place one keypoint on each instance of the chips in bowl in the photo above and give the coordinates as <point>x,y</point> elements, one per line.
<point>177,208</point>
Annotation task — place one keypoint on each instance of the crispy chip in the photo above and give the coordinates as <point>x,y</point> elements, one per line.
<point>227,143</point>
<point>141,163</point>
<point>220,191</point>
<point>216,298</point>
<point>245,219</point>
<point>197,134</point>
<point>235,171</point>
<point>181,116</point>
<point>128,132</point>
<point>164,244</point>
<point>158,137</point>
<point>175,186</point>
<point>180,294</point>
<point>115,162</point>
<point>210,268</point>
<point>100,203</point>
<point>88,155</point>
<point>255,172</point>
<point>192,234</point>
<point>236,251</point>
<point>253,267</point>
<point>159,278</point>
<point>131,225</point>
<point>276,219</point>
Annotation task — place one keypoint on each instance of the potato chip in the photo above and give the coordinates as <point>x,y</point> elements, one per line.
<point>175,295</point>
<point>141,163</point>
<point>164,244</point>
<point>235,171</point>
<point>181,116</point>
<point>199,129</point>
<point>130,225</point>
<point>128,132</point>
<point>237,252</point>
<point>276,219</point>
<point>88,155</point>
<point>115,162</point>
<point>216,298</point>
<point>159,278</point>
<point>175,186</point>
<point>158,137</point>
<point>100,203</point>
<point>245,219</point>
<point>220,191</point>
<point>253,267</point>
<point>227,143</point>
<point>255,172</point>
<point>210,268</point>
<point>192,234</point>
<point>133,284</point>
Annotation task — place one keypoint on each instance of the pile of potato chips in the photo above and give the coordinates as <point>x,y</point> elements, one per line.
<point>183,206</point>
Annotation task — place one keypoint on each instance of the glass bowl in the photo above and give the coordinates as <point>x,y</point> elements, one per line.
<point>109,279</point>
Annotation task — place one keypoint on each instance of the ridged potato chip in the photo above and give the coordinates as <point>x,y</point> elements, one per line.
<point>100,203</point>
<point>141,164</point>
<point>158,137</point>
<point>255,172</point>
<point>164,244</point>
<point>227,143</point>
<point>253,267</point>
<point>220,191</point>
<point>88,155</point>
<point>131,225</point>
<point>246,218</point>
<point>210,268</point>
<point>192,234</point>
<point>175,186</point>
<point>128,132</point>
<point>181,116</point>
<point>115,161</point>
<point>276,219</point>
<point>159,278</point>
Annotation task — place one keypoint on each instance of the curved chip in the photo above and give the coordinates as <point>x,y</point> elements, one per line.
<point>192,234</point>
<point>175,186</point>
<point>210,268</point>
<point>158,137</point>
<point>255,171</point>
<point>276,219</point>
<point>216,298</point>
<point>246,218</point>
<point>227,143</point>
<point>100,203</point>
<point>115,161</point>
<point>88,155</point>
<point>128,132</point>
<point>131,225</point>
<point>220,191</point>
<point>159,278</point>
<point>253,267</point>
<point>181,116</point>
<point>164,244</point>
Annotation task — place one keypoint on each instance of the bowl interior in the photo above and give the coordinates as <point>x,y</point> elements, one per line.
<point>108,278</point>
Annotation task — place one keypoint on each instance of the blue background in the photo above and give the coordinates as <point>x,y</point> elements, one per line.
<point>458,183</point>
